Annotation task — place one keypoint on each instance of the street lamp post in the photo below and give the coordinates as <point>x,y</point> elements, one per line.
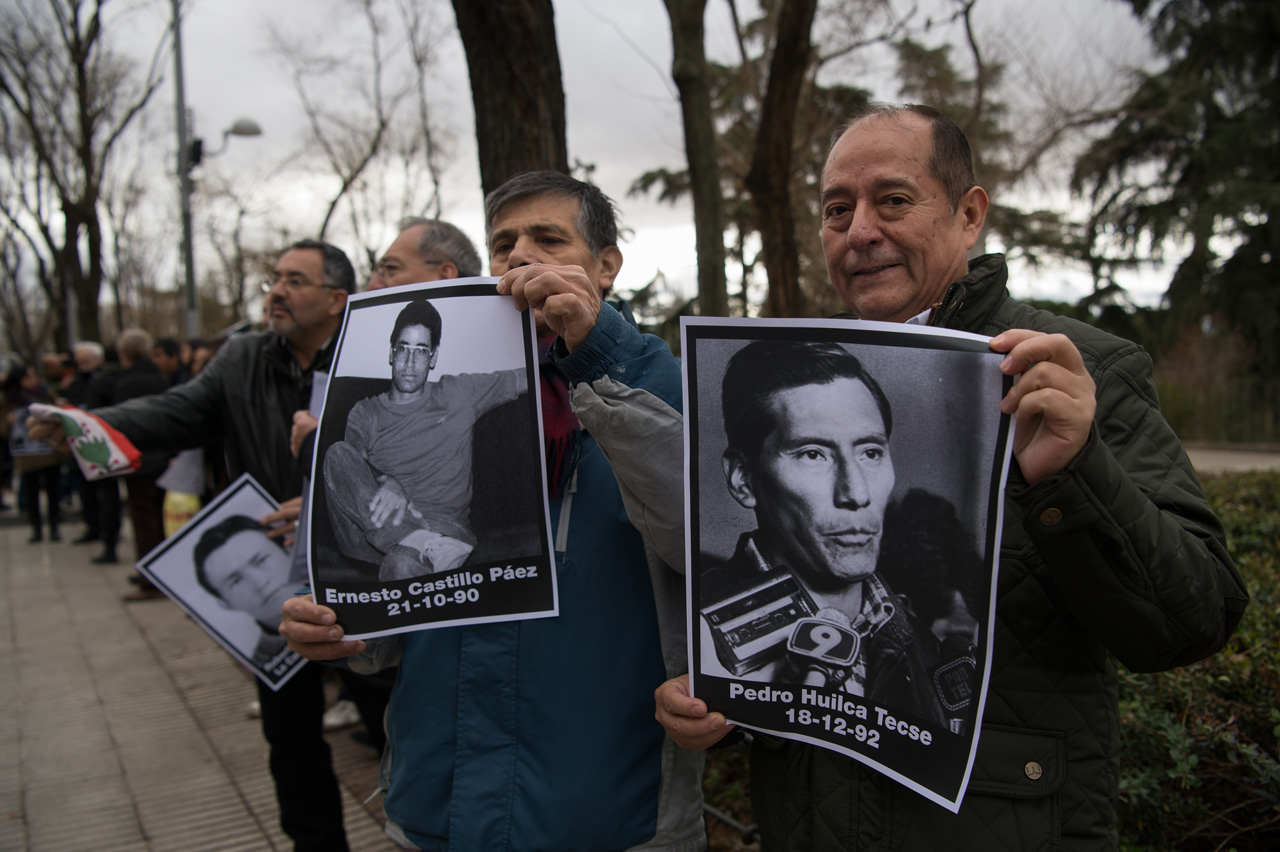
<point>190,152</point>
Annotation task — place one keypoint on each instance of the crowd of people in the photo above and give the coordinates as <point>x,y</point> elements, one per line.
<point>541,734</point>
<point>45,481</point>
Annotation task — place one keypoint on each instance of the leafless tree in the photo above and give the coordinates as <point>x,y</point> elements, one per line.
<point>66,99</point>
<point>368,114</point>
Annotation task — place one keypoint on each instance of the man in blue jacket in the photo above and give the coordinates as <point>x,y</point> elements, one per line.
<point>539,734</point>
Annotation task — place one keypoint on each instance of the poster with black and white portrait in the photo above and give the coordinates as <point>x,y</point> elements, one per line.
<point>844,489</point>
<point>428,499</point>
<point>229,575</point>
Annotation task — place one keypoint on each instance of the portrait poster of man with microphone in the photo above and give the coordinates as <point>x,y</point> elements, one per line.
<point>428,506</point>
<point>844,499</point>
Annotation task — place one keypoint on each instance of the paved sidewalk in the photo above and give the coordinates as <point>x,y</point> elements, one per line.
<point>123,726</point>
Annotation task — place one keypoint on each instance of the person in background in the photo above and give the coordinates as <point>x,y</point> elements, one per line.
<point>37,463</point>
<point>246,396</point>
<point>166,354</point>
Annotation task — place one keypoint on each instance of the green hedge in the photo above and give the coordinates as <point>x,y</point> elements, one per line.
<point>1200,768</point>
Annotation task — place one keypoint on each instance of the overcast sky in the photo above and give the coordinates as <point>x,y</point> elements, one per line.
<point>623,114</point>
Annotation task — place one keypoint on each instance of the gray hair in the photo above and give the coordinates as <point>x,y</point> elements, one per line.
<point>91,346</point>
<point>597,217</point>
<point>134,344</point>
<point>337,272</point>
<point>441,238</point>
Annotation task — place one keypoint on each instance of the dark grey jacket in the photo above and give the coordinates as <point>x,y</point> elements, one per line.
<point>245,396</point>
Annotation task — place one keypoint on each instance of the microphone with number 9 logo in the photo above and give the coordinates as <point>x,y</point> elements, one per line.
<point>823,648</point>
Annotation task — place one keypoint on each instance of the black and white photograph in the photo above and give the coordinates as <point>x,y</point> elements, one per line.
<point>427,500</point>
<point>844,502</point>
<point>232,578</point>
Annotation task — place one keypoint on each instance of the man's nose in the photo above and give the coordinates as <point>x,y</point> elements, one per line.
<point>864,227</point>
<point>524,252</point>
<point>851,491</point>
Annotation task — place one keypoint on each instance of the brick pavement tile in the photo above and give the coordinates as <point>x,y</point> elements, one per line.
<point>137,720</point>
<point>93,813</point>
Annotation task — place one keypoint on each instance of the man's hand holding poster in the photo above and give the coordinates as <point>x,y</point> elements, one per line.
<point>844,488</point>
<point>428,498</point>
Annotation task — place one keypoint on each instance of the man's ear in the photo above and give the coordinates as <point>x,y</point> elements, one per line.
<point>449,269</point>
<point>737,478</point>
<point>610,265</point>
<point>972,214</point>
<point>339,302</point>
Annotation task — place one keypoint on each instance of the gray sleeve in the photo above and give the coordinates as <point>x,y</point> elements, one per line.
<point>643,438</point>
<point>381,653</point>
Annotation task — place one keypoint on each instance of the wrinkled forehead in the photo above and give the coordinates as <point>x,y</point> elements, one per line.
<point>308,261</point>
<point>547,208</point>
<point>880,137</point>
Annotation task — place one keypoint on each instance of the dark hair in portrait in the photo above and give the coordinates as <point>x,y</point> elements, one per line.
<point>765,367</point>
<point>422,313</point>
<point>218,535</point>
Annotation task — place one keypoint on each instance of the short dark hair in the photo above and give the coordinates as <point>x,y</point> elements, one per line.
<point>950,158</point>
<point>441,238</point>
<point>765,367</point>
<point>597,216</point>
<point>337,272</point>
<point>218,535</point>
<point>170,347</point>
<point>422,313</point>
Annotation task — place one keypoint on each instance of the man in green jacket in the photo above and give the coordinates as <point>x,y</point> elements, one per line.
<point>1109,550</point>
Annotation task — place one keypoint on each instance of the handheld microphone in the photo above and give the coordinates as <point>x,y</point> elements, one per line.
<point>822,649</point>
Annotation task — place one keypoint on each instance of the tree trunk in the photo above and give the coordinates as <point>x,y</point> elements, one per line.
<point>769,179</point>
<point>689,70</point>
<point>515,86</point>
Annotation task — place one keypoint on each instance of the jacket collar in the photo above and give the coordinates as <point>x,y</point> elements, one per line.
<point>277,352</point>
<point>969,302</point>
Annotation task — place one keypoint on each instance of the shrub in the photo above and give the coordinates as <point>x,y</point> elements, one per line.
<point>1200,768</point>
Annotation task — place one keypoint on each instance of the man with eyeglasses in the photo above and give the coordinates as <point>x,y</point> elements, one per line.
<point>425,250</point>
<point>246,396</point>
<point>399,485</point>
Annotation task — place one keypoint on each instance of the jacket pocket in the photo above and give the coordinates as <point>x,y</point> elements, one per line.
<point>1012,802</point>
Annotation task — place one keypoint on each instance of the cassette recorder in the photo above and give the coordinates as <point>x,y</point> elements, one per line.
<point>750,627</point>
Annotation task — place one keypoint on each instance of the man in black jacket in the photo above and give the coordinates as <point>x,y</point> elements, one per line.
<point>89,357</point>
<point>246,396</point>
<point>138,377</point>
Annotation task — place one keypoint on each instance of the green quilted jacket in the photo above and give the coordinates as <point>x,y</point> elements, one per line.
<point>1116,558</point>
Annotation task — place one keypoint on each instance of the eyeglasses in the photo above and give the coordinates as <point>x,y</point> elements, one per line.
<point>293,283</point>
<point>408,352</point>
<point>386,268</point>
